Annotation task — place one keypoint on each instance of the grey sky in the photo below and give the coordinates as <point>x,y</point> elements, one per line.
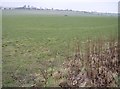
<point>82,5</point>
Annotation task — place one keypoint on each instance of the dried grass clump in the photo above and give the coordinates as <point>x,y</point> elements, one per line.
<point>96,66</point>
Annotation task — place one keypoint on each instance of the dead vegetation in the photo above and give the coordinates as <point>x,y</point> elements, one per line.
<point>97,66</point>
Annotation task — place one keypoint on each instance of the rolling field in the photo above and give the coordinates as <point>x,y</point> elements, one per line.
<point>30,40</point>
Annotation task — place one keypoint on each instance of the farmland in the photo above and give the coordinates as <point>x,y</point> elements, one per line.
<point>31,42</point>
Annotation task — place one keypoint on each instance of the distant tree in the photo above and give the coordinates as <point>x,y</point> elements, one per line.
<point>24,6</point>
<point>66,10</point>
<point>28,6</point>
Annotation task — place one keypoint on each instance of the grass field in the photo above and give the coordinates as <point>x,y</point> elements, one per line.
<point>29,40</point>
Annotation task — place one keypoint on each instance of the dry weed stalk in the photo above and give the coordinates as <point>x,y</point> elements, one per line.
<point>97,67</point>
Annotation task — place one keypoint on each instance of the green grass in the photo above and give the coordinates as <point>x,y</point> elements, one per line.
<point>28,39</point>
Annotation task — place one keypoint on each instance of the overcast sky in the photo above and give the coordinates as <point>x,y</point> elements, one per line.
<point>81,5</point>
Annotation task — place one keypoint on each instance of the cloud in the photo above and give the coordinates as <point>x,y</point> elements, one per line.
<point>60,1</point>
